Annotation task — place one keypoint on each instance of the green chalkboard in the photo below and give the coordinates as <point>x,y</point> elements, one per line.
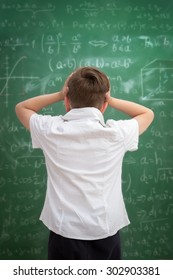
<point>41,42</point>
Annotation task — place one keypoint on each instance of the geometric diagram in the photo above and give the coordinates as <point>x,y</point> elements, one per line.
<point>157,80</point>
<point>9,76</point>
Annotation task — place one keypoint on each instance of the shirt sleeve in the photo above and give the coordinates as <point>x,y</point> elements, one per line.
<point>127,131</point>
<point>39,126</point>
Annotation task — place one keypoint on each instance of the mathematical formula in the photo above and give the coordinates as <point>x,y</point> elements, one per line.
<point>40,44</point>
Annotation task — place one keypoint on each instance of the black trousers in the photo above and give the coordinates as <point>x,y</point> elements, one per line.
<point>62,248</point>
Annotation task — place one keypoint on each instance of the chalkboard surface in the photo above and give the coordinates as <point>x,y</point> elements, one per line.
<point>41,42</point>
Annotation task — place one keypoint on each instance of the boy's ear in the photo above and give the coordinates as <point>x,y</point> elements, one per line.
<point>67,103</point>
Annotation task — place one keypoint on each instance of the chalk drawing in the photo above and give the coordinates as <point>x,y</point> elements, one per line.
<point>9,75</point>
<point>96,43</point>
<point>157,80</point>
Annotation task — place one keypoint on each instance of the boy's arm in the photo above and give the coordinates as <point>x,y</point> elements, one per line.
<point>24,110</point>
<point>142,114</point>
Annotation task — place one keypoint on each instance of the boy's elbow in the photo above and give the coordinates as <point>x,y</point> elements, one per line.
<point>18,109</point>
<point>151,113</point>
<point>20,112</point>
<point>24,114</point>
<point>148,119</point>
<point>145,120</point>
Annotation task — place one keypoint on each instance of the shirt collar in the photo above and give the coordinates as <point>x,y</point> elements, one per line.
<point>84,113</point>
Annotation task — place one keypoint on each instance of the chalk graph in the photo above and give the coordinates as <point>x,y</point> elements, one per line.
<point>6,88</point>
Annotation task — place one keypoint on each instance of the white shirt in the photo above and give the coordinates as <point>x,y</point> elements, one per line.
<point>84,166</point>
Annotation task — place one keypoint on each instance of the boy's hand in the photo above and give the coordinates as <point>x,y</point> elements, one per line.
<point>63,92</point>
<point>107,96</point>
<point>65,88</point>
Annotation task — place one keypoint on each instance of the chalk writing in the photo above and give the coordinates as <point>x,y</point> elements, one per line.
<point>14,43</point>
<point>97,62</point>
<point>33,8</point>
<point>40,44</point>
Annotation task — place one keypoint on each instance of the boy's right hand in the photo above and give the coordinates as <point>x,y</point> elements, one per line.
<point>65,88</point>
<point>63,92</point>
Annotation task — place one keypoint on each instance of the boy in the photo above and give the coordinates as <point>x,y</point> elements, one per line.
<point>84,207</point>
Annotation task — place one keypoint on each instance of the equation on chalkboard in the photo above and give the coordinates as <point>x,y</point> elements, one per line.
<point>40,45</point>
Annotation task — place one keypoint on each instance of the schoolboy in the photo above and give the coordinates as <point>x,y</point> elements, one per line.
<point>84,208</point>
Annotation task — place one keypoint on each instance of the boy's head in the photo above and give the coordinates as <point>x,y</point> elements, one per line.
<point>87,88</point>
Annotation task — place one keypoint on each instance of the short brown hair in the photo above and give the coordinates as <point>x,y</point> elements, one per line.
<point>87,87</point>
